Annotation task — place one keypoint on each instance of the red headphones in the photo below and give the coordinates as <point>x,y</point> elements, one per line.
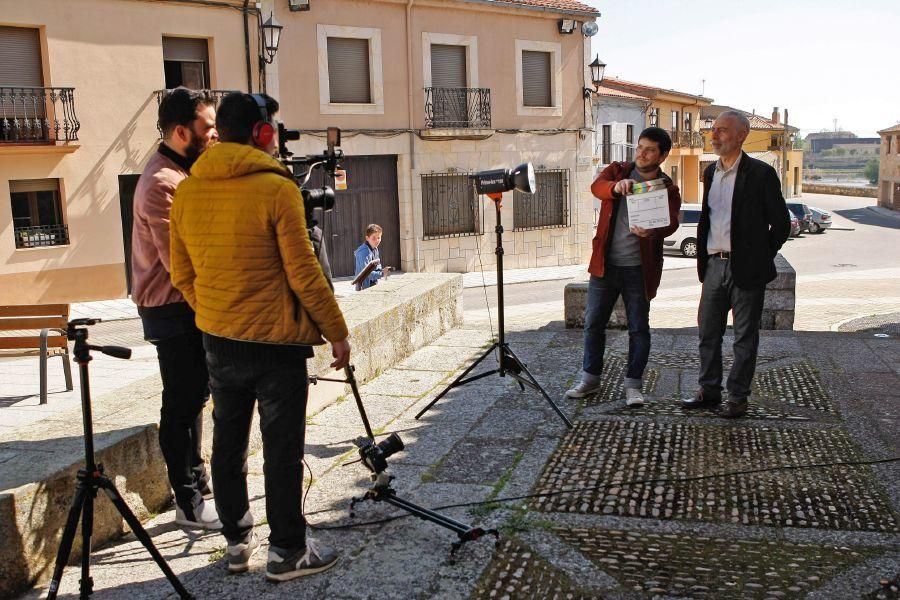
<point>263,130</point>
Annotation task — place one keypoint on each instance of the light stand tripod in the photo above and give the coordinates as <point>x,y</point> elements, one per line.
<point>374,457</point>
<point>509,362</point>
<point>91,479</point>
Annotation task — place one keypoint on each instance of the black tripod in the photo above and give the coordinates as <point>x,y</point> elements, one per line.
<point>374,457</point>
<point>91,479</point>
<point>509,362</point>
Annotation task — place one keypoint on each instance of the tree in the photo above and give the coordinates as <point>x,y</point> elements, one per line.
<point>871,170</point>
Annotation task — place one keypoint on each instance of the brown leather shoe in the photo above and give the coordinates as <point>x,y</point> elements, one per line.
<point>733,408</point>
<point>702,399</point>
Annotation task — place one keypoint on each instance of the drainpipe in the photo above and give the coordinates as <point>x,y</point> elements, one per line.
<point>247,47</point>
<point>412,139</point>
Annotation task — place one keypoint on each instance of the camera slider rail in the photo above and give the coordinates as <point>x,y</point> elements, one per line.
<point>466,533</point>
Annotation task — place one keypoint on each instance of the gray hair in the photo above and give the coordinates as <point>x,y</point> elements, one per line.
<point>740,117</point>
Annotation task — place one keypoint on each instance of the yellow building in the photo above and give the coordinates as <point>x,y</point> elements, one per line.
<point>679,114</point>
<point>765,142</point>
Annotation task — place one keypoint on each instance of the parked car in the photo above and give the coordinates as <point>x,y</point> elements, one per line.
<point>820,221</point>
<point>802,212</point>
<point>796,227</point>
<point>684,240</point>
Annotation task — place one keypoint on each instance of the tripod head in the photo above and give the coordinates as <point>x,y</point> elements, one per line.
<point>76,331</point>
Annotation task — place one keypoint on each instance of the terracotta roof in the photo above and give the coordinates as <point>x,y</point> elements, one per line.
<point>605,91</point>
<point>893,129</point>
<point>756,121</point>
<point>647,90</point>
<point>551,5</point>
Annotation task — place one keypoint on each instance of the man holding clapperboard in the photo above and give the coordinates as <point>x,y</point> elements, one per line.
<point>627,258</point>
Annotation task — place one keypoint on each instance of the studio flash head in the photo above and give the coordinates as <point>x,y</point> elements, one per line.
<point>498,181</point>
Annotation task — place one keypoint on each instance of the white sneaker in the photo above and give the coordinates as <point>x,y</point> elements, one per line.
<point>202,516</point>
<point>633,397</point>
<point>583,389</point>
<point>239,555</point>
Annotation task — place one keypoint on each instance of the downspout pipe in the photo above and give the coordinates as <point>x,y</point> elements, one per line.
<point>412,139</point>
<point>247,46</point>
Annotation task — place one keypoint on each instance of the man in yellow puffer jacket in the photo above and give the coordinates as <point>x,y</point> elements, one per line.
<point>242,258</point>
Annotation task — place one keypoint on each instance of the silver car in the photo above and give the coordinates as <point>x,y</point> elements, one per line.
<point>819,221</point>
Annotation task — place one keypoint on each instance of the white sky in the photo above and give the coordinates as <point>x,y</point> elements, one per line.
<point>838,60</point>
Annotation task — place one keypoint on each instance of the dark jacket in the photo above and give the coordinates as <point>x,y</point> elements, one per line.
<point>759,223</point>
<point>610,204</point>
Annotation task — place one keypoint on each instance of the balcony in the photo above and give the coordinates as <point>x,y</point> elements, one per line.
<point>686,139</point>
<point>458,109</point>
<point>37,115</point>
<point>39,236</point>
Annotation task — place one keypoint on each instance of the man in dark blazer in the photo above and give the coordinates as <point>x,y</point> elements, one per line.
<point>743,224</point>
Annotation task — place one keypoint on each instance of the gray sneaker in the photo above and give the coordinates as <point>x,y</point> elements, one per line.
<point>633,397</point>
<point>202,516</point>
<point>306,561</point>
<point>238,555</point>
<point>583,389</point>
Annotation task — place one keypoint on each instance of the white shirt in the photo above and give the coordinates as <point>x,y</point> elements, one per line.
<point>720,194</point>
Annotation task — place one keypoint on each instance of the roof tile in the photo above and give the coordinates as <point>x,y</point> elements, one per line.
<point>553,4</point>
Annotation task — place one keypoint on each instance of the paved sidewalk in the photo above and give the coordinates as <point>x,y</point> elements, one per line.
<point>819,397</point>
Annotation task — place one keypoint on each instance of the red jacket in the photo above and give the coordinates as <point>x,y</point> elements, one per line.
<point>651,247</point>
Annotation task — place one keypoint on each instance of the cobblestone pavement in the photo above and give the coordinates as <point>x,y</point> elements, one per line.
<point>631,503</point>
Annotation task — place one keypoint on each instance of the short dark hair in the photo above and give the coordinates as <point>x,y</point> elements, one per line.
<point>655,134</point>
<point>237,115</point>
<point>180,106</point>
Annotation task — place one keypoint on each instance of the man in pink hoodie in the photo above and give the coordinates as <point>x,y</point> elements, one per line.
<point>187,119</point>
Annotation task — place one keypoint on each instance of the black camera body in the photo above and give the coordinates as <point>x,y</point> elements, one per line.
<point>374,456</point>
<point>302,168</point>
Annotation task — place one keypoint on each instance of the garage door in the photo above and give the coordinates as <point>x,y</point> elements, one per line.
<point>371,197</point>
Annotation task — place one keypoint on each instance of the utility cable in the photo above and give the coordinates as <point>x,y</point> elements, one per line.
<point>603,486</point>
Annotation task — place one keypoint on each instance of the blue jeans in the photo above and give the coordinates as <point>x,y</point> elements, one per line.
<point>602,295</point>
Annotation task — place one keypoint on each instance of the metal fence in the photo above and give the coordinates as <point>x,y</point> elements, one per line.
<point>37,236</point>
<point>37,115</point>
<point>548,207</point>
<point>449,206</point>
<point>465,108</point>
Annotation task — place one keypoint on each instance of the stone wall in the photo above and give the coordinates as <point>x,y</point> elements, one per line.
<point>839,190</point>
<point>778,308</point>
<point>39,462</point>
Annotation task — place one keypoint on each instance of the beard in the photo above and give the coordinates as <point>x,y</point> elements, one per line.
<point>196,147</point>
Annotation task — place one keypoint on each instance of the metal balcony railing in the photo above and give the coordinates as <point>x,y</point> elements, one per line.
<point>37,115</point>
<point>457,108</point>
<point>36,236</point>
<point>216,95</point>
<point>686,139</point>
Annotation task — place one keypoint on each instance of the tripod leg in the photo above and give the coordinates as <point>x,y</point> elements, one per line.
<point>458,379</point>
<point>351,378</point>
<point>65,544</point>
<point>86,584</point>
<point>107,485</point>
<point>539,388</point>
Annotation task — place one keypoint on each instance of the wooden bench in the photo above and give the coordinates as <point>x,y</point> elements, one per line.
<point>43,329</point>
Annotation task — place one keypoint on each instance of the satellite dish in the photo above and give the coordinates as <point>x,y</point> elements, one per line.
<point>589,28</point>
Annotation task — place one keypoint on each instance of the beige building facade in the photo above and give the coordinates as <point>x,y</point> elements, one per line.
<point>889,169</point>
<point>425,92</point>
<point>90,68</point>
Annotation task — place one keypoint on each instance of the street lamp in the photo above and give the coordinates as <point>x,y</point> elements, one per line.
<point>271,35</point>
<point>597,68</point>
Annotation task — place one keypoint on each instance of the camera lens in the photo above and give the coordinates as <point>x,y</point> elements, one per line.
<point>391,445</point>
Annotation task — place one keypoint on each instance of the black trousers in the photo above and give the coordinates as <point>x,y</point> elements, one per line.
<point>277,381</point>
<point>720,295</point>
<point>185,379</point>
